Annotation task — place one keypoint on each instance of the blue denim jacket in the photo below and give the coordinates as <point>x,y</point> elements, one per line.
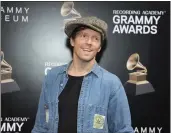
<point>102,106</point>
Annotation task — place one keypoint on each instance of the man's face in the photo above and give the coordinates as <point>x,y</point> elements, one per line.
<point>87,44</point>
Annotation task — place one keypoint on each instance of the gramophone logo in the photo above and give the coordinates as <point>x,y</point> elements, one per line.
<point>137,83</point>
<point>68,9</point>
<point>7,83</point>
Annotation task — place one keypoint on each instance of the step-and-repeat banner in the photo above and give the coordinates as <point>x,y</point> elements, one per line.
<point>137,51</point>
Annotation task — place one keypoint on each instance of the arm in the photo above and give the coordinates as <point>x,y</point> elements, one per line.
<point>40,122</point>
<point>119,117</point>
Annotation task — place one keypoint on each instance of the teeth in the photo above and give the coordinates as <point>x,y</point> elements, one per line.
<point>86,50</point>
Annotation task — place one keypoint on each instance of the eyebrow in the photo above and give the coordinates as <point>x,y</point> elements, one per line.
<point>92,35</point>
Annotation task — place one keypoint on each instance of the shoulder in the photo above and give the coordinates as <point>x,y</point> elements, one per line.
<point>110,79</point>
<point>54,72</point>
<point>58,69</point>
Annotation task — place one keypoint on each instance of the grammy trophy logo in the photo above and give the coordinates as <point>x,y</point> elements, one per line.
<point>68,9</point>
<point>7,83</point>
<point>6,70</point>
<point>137,83</point>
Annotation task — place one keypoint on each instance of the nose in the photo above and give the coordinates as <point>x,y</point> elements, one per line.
<point>89,41</point>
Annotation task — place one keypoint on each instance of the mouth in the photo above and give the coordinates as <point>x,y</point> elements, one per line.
<point>87,50</point>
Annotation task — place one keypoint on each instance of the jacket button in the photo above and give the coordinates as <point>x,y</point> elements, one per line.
<point>45,106</point>
<point>56,119</point>
<point>61,84</point>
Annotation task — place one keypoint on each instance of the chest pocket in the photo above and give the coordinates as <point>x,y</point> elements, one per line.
<point>95,119</point>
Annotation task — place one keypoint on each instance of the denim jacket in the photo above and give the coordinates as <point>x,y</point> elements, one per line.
<point>102,105</point>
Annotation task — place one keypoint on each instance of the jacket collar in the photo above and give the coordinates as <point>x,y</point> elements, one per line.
<point>95,69</point>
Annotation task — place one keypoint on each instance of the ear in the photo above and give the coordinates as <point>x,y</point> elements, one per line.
<point>72,42</point>
<point>99,49</point>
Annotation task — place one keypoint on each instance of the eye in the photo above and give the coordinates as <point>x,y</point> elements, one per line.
<point>84,35</point>
<point>97,39</point>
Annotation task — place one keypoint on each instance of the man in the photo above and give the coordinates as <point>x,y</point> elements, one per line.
<point>82,97</point>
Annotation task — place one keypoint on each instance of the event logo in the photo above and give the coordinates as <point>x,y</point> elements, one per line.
<point>7,83</point>
<point>13,124</point>
<point>148,130</point>
<point>136,22</point>
<point>14,14</point>
<point>50,65</point>
<point>137,83</point>
<point>68,9</point>
<point>6,70</point>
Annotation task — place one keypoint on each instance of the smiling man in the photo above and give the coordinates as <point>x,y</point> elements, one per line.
<point>82,97</point>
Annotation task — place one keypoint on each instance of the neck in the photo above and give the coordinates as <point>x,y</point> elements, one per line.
<point>80,68</point>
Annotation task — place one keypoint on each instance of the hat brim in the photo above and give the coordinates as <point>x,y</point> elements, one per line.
<point>71,27</point>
